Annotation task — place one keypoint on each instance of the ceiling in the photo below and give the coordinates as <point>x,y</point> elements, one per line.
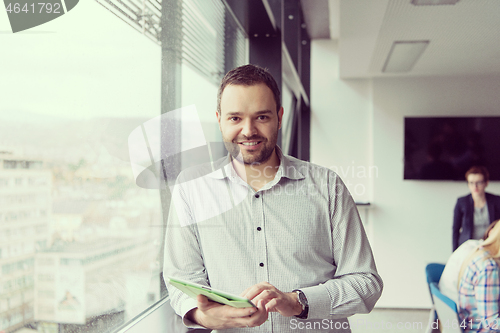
<point>464,38</point>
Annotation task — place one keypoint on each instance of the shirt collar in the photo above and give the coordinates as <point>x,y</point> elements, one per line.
<point>224,168</point>
<point>287,168</point>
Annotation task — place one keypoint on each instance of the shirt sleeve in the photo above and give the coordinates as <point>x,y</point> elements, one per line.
<point>487,293</point>
<point>355,286</point>
<point>182,256</point>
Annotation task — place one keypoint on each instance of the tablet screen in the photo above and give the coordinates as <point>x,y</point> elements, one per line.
<point>193,289</point>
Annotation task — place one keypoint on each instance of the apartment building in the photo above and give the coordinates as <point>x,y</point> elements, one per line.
<point>25,208</point>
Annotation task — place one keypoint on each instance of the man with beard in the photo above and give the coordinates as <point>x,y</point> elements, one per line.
<point>281,232</point>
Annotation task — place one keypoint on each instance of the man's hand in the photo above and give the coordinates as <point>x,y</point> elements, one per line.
<point>286,304</point>
<point>217,316</point>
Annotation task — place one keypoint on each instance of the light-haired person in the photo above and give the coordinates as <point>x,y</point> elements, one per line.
<point>448,283</point>
<point>479,288</point>
<point>474,212</point>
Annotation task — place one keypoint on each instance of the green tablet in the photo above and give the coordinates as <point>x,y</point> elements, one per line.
<point>193,289</point>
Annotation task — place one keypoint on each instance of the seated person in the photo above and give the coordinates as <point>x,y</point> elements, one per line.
<point>479,288</point>
<point>448,284</point>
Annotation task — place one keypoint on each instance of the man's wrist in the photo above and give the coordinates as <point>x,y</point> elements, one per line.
<point>297,307</point>
<point>304,304</point>
<point>191,316</point>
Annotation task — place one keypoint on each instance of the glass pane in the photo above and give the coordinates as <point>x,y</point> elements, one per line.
<point>203,36</point>
<point>202,93</point>
<point>212,42</point>
<point>79,240</point>
<point>287,121</point>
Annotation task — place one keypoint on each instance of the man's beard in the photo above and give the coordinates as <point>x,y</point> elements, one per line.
<point>262,156</point>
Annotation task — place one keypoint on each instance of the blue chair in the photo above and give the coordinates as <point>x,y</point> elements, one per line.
<point>433,273</point>
<point>447,311</point>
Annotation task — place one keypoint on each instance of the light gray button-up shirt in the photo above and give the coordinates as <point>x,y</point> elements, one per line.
<point>300,231</point>
<point>481,221</point>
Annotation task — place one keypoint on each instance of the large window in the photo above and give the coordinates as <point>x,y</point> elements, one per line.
<point>289,102</point>
<point>80,238</point>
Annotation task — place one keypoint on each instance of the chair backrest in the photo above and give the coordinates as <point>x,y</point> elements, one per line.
<point>447,311</point>
<point>433,272</point>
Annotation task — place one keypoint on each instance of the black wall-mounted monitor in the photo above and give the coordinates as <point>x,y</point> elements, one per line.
<point>444,148</point>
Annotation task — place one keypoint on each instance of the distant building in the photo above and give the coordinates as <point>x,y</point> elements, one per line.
<point>75,282</point>
<point>67,218</point>
<point>25,209</point>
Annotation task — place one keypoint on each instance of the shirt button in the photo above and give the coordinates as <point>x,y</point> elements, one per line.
<point>259,228</point>
<point>261,264</point>
<point>257,196</point>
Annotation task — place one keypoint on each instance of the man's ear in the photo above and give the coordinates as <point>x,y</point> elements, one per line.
<point>217,114</point>
<point>280,116</point>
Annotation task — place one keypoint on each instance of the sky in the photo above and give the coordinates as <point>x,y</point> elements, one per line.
<point>87,63</point>
<point>84,65</point>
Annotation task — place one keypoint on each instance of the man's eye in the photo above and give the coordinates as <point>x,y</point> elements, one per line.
<point>263,117</point>
<point>234,118</point>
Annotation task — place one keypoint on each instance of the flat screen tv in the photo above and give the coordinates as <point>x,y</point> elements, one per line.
<point>444,148</point>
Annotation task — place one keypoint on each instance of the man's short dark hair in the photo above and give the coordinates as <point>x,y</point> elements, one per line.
<point>249,75</point>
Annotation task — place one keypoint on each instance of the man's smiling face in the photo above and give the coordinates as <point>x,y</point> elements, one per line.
<point>249,122</point>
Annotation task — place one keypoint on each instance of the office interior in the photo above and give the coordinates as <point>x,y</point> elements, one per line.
<point>344,101</point>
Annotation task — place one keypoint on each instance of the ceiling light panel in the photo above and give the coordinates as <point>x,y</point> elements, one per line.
<point>403,56</point>
<point>433,2</point>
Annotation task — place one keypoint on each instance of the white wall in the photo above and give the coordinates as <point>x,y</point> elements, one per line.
<point>410,221</point>
<point>337,108</point>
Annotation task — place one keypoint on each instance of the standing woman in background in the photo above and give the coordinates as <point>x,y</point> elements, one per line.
<point>474,212</point>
